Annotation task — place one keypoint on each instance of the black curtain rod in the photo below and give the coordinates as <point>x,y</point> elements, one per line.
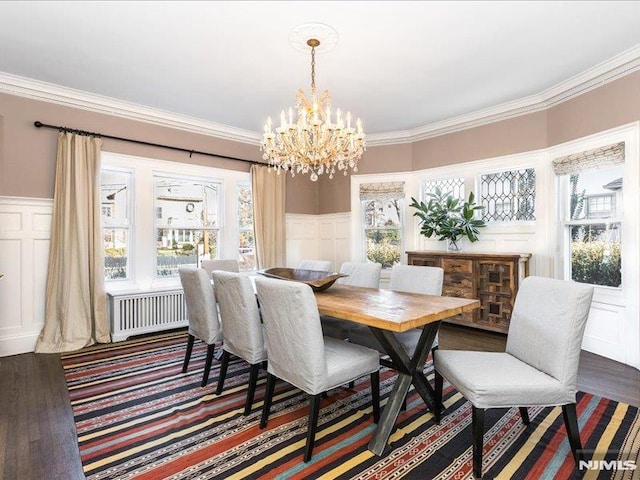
<point>39,124</point>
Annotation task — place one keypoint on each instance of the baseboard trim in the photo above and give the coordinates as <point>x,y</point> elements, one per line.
<point>18,344</point>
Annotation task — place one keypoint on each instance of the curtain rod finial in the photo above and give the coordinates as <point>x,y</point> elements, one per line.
<point>38,123</point>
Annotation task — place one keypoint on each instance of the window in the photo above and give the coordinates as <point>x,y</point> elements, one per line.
<point>246,241</point>
<point>592,204</point>
<point>115,207</point>
<point>508,196</point>
<point>454,186</point>
<point>382,207</point>
<point>188,214</point>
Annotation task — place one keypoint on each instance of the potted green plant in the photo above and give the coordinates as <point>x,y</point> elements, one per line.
<point>448,218</point>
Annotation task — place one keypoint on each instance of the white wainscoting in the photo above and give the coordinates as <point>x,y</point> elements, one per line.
<point>25,228</point>
<point>318,237</point>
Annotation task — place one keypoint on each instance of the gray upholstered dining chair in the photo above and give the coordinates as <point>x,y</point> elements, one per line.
<point>203,314</point>
<point>361,274</point>
<point>404,278</point>
<point>300,355</point>
<point>364,274</point>
<point>322,265</point>
<point>539,366</point>
<point>231,265</point>
<point>242,334</point>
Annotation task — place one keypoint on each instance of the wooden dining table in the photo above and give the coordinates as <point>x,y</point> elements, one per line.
<point>387,312</point>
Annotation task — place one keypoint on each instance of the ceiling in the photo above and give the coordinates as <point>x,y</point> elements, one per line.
<point>397,65</point>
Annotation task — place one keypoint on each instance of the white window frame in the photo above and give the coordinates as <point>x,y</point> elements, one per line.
<point>401,229</point>
<point>143,261</point>
<point>625,299</point>
<point>220,211</point>
<point>129,225</point>
<point>240,229</point>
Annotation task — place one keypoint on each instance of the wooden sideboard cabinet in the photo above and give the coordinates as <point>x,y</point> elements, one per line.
<point>491,278</point>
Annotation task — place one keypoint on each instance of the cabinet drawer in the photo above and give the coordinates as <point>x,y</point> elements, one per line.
<point>452,291</point>
<point>456,265</point>
<point>424,261</point>
<point>458,280</point>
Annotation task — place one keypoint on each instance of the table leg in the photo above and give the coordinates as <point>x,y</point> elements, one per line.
<point>391,410</point>
<point>410,370</point>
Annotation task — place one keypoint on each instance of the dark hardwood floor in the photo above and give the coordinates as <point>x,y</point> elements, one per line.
<point>38,437</point>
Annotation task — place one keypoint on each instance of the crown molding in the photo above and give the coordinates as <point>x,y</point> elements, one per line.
<point>617,67</point>
<point>49,92</point>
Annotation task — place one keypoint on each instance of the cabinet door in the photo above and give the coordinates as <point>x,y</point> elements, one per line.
<point>459,282</point>
<point>496,292</point>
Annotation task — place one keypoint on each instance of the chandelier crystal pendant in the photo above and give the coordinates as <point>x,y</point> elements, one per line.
<point>311,142</point>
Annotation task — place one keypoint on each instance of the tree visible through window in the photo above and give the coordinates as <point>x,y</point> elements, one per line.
<point>246,240</point>
<point>594,226</point>
<point>382,205</point>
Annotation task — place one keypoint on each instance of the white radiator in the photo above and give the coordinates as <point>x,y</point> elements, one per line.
<point>145,312</point>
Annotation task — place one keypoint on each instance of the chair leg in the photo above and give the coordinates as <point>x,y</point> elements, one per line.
<point>187,356</point>
<point>223,371</point>
<point>207,364</point>
<point>524,413</point>
<point>314,410</point>
<point>477,431</point>
<point>375,395</point>
<point>437,407</point>
<point>253,379</point>
<point>571,423</point>
<point>268,396</point>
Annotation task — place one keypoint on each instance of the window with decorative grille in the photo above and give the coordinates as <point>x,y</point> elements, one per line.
<point>508,196</point>
<point>453,185</point>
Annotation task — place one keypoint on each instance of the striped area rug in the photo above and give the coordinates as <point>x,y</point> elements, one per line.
<point>137,416</point>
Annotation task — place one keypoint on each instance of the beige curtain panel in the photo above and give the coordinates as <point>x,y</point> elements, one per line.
<point>75,312</point>
<point>268,191</point>
<point>602,157</point>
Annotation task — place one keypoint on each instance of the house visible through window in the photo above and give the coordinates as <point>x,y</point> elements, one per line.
<point>593,214</point>
<point>115,206</point>
<point>382,207</point>
<point>187,222</point>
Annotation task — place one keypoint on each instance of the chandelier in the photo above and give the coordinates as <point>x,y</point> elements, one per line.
<point>313,142</point>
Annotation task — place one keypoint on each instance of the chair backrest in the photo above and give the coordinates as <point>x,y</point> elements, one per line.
<point>417,279</point>
<point>224,265</point>
<point>547,326</point>
<point>293,334</point>
<point>322,265</point>
<point>239,314</point>
<point>361,274</point>
<point>201,304</point>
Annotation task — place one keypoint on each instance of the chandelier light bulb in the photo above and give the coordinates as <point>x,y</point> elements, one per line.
<point>308,142</point>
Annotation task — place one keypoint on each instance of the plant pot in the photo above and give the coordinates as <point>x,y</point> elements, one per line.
<point>454,246</point>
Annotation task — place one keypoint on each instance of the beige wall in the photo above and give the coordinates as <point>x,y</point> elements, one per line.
<point>614,104</point>
<point>520,134</point>
<point>27,154</point>
<point>302,195</point>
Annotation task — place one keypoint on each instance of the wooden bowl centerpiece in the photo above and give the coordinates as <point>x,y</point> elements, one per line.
<point>318,280</point>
